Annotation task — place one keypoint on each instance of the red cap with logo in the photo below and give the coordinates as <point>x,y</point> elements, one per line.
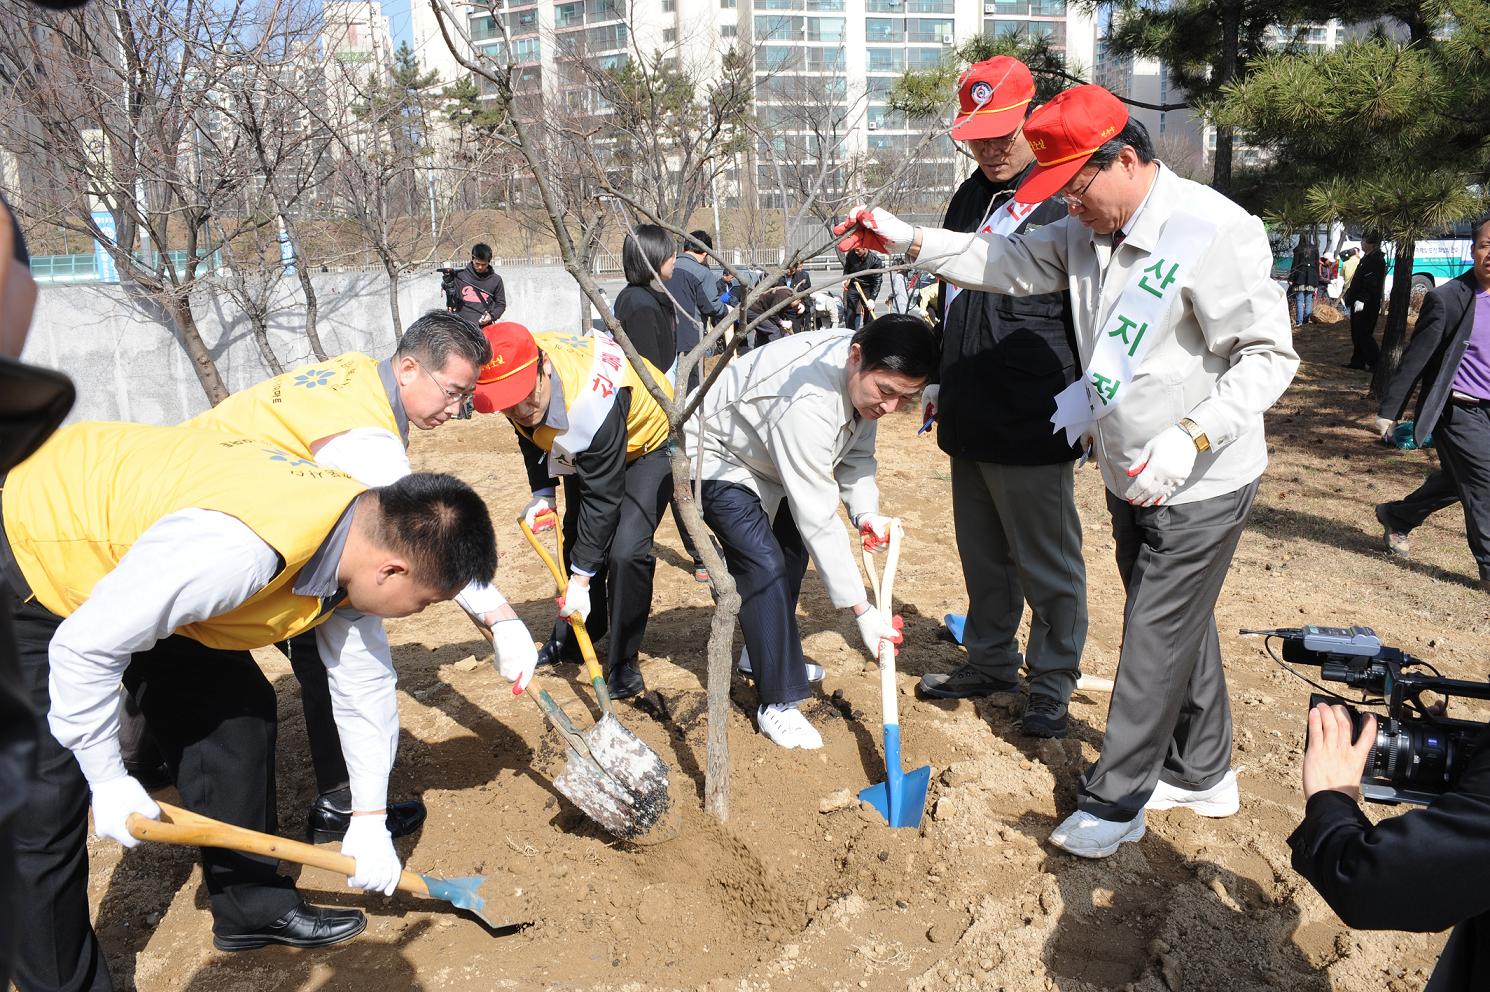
<point>992,96</point>
<point>1064,133</point>
<point>508,378</point>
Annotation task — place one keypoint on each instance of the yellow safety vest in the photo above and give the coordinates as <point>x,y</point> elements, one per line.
<point>572,356</point>
<point>74,508</point>
<point>294,410</point>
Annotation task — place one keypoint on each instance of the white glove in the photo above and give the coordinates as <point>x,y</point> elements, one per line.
<point>368,841</point>
<point>576,601</point>
<point>540,505</point>
<point>1163,466</point>
<point>1384,428</point>
<point>873,628</point>
<point>874,530</point>
<point>113,801</point>
<point>1357,306</point>
<point>889,231</point>
<point>516,657</point>
<point>929,396</point>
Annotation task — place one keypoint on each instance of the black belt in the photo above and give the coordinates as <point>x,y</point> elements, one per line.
<point>1461,399</point>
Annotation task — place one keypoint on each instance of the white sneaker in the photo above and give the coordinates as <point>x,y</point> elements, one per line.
<point>785,725</point>
<point>1221,799</point>
<point>1088,836</point>
<point>814,672</point>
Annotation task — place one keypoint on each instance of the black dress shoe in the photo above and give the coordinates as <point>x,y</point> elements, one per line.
<point>303,926</point>
<point>331,814</point>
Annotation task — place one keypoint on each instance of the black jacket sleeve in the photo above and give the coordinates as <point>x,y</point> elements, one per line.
<point>498,299</point>
<point>650,324</point>
<point>600,472</point>
<point>1424,871</point>
<point>1369,280</point>
<point>1426,340</point>
<point>533,461</point>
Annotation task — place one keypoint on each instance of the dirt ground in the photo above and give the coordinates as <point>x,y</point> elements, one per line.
<point>799,890</point>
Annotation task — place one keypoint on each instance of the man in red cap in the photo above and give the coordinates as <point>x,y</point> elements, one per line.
<point>1184,343</point>
<point>1004,359</point>
<point>582,413</point>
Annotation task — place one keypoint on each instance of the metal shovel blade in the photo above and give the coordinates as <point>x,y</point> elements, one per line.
<point>621,783</point>
<point>462,893</point>
<point>901,798</point>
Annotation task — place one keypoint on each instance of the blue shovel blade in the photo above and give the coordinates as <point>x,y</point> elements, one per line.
<point>955,622</point>
<point>462,893</point>
<point>901,798</point>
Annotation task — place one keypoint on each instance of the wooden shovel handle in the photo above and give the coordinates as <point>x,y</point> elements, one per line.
<point>581,635</point>
<point>185,828</point>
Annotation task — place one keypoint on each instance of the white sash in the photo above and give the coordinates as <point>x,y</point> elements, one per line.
<point>1133,326</point>
<point>1004,220</point>
<point>590,408</point>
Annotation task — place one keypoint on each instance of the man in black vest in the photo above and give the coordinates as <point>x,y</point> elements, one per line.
<point>1450,356</point>
<point>1004,359</point>
<point>1363,301</point>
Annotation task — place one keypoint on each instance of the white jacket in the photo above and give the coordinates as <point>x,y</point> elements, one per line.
<point>1226,349</point>
<point>779,422</point>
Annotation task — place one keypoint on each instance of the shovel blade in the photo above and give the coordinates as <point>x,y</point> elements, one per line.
<point>901,797</point>
<point>624,787</point>
<point>462,893</point>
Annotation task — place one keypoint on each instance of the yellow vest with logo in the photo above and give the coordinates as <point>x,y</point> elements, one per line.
<point>571,357</point>
<point>74,508</point>
<point>294,410</point>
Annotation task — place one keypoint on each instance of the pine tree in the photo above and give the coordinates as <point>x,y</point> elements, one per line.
<point>929,93</point>
<point>1382,133</point>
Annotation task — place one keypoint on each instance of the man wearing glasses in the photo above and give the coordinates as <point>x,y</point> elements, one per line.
<point>1004,359</point>
<point>353,413</point>
<point>1184,342</point>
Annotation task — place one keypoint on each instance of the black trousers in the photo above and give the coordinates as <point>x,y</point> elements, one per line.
<point>621,594</point>
<point>213,715</point>
<point>1463,441</point>
<point>1436,493</point>
<point>320,722</point>
<point>767,560</point>
<point>18,727</point>
<point>1364,350</point>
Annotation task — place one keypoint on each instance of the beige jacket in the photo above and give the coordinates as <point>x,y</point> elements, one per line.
<point>1226,349</point>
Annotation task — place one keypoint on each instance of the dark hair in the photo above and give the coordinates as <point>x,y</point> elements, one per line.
<point>441,526</point>
<point>481,251</point>
<point>702,237</point>
<point>647,247</point>
<point>1476,224</point>
<point>433,338</point>
<point>900,343</point>
<point>1133,134</point>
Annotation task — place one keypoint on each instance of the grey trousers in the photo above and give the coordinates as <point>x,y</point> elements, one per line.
<point>1169,716</point>
<point>1020,540</point>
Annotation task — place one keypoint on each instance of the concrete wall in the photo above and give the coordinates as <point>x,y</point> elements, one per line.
<point>121,350</point>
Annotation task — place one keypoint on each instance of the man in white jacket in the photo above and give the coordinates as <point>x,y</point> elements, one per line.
<point>1184,342</point>
<point>787,432</point>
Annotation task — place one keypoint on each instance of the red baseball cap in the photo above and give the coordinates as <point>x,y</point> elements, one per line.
<point>992,96</point>
<point>1064,133</point>
<point>508,378</point>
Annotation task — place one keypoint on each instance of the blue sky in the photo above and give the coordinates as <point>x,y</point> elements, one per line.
<point>397,12</point>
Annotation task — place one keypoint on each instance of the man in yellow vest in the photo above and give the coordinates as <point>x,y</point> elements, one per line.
<point>581,413</point>
<point>353,413</point>
<point>161,556</point>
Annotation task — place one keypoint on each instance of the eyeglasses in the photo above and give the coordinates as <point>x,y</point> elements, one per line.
<point>1075,200</point>
<point>452,394</point>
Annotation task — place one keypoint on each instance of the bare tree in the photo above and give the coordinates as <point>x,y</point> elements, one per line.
<point>110,110</point>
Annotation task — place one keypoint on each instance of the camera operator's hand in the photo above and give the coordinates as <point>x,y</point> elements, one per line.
<point>1331,761</point>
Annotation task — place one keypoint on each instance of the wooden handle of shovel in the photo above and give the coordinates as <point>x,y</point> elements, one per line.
<point>581,635</point>
<point>187,829</point>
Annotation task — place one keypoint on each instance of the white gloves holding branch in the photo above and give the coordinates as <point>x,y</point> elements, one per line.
<point>368,841</point>
<point>114,801</point>
<point>1163,466</point>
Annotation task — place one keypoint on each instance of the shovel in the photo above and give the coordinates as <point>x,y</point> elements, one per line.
<point>581,636</point>
<point>188,829</point>
<point>611,774</point>
<point>901,798</point>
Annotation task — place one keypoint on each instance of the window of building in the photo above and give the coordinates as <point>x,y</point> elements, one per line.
<point>885,6</point>
<point>922,58</point>
<point>775,58</point>
<point>568,15</point>
<point>877,89</point>
<point>670,35</point>
<point>778,27</point>
<point>727,4</point>
<point>825,5</point>
<point>930,6</point>
<point>525,50</point>
<point>668,6</point>
<point>1048,8</point>
<point>929,29</point>
<point>884,29</point>
<point>886,60</point>
<point>1009,8</point>
<point>728,31</point>
<point>606,37</point>
<point>1053,31</point>
<point>1005,29</point>
<point>483,28</point>
<point>824,60</point>
<point>604,10</point>
<point>527,20</point>
<point>825,29</point>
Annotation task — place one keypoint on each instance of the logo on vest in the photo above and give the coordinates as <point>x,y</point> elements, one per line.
<point>303,467</point>
<point>314,378</point>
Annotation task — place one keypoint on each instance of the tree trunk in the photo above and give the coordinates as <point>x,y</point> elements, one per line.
<point>393,280</point>
<point>1394,338</point>
<point>261,338</point>
<point>179,307</point>
<point>307,289</point>
<point>1226,71</point>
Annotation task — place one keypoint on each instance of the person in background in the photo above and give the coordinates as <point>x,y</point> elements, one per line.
<point>480,298</point>
<point>1363,300</point>
<point>860,291</point>
<point>643,307</point>
<point>694,260</point>
<point>1303,279</point>
<point>799,282</point>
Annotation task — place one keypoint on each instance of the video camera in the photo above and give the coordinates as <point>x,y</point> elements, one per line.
<point>447,283</point>
<point>1419,752</point>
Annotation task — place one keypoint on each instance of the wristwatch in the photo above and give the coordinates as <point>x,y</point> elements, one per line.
<point>1190,427</point>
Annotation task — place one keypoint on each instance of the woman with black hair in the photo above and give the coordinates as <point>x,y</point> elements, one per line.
<point>643,307</point>
<point>787,431</point>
